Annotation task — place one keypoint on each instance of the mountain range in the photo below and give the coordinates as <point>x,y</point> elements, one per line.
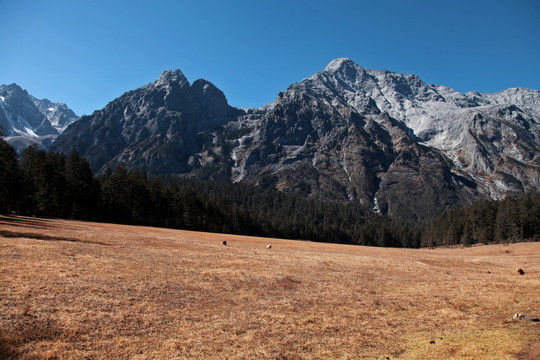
<point>26,120</point>
<point>388,141</point>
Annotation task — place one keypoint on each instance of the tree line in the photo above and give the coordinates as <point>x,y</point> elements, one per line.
<point>510,220</point>
<point>48,184</point>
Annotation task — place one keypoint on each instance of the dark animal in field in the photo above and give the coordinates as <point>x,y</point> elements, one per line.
<point>520,271</point>
<point>224,243</point>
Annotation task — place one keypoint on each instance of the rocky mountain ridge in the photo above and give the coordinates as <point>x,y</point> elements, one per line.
<point>385,140</point>
<point>27,120</point>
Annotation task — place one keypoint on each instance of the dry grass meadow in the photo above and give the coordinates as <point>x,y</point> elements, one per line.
<point>76,290</point>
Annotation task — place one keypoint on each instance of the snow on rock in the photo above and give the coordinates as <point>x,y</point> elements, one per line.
<point>485,134</point>
<point>27,120</point>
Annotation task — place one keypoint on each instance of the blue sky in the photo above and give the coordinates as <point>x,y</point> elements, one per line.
<point>86,53</point>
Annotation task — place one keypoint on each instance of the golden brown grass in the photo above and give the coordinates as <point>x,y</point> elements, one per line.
<point>75,290</point>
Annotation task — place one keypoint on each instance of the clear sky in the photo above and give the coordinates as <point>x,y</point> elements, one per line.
<point>85,53</point>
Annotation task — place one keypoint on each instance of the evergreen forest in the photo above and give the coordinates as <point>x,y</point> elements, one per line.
<point>47,184</point>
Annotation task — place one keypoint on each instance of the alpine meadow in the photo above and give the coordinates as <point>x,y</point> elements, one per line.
<point>76,290</point>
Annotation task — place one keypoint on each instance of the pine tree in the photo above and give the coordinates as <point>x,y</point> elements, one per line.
<point>32,161</point>
<point>82,189</point>
<point>114,185</point>
<point>10,178</point>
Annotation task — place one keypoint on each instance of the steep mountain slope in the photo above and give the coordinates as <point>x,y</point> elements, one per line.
<point>27,120</point>
<point>158,127</point>
<point>385,140</point>
<point>320,139</point>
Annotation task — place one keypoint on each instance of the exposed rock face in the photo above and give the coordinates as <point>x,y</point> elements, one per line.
<point>385,140</point>
<point>27,120</point>
<point>159,128</point>
<point>489,136</point>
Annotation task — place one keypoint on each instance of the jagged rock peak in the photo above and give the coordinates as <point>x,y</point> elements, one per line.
<point>205,87</point>
<point>13,90</point>
<point>340,63</point>
<point>172,76</point>
<point>12,87</point>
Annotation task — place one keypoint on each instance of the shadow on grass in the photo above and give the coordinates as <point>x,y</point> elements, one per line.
<point>26,329</point>
<point>11,234</point>
<point>7,348</point>
<point>28,222</point>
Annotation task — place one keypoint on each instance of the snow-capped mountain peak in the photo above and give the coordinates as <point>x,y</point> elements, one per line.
<point>27,120</point>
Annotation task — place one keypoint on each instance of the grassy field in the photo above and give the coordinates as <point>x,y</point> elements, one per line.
<point>75,290</point>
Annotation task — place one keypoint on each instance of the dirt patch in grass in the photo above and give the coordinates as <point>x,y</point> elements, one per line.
<point>99,291</point>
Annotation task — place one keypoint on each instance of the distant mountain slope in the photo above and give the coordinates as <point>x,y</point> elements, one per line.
<point>27,120</point>
<point>384,140</point>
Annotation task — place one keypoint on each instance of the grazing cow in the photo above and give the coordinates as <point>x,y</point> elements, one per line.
<point>224,243</point>
<point>268,246</point>
<point>520,271</point>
